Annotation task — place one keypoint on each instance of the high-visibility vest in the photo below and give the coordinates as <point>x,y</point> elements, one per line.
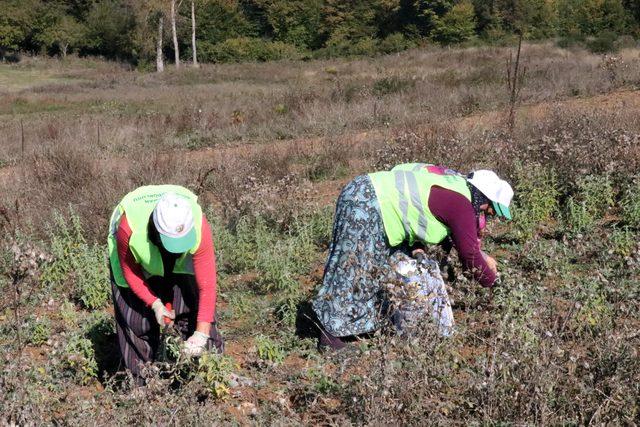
<point>138,206</point>
<point>403,196</point>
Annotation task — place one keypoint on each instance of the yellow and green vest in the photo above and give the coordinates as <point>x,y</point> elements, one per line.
<point>138,205</point>
<point>403,195</point>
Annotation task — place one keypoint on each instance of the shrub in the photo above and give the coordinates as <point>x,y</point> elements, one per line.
<point>321,383</point>
<point>277,266</point>
<point>595,313</point>
<point>568,42</point>
<point>79,359</point>
<point>269,350</point>
<point>577,216</point>
<point>593,198</point>
<point>391,85</point>
<point>244,49</point>
<point>330,162</point>
<point>536,198</point>
<point>365,46</point>
<point>395,42</point>
<point>215,371</point>
<point>39,331</point>
<point>457,25</point>
<point>77,265</point>
<point>604,42</point>
<point>280,258</point>
<point>622,242</point>
<point>631,203</point>
<point>597,191</point>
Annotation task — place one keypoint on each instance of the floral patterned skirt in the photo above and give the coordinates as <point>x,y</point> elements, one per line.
<point>349,301</point>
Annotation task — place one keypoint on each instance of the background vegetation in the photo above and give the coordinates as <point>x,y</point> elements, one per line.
<point>267,147</point>
<point>260,30</point>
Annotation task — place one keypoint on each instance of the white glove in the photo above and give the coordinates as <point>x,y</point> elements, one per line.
<point>195,345</point>
<point>161,312</point>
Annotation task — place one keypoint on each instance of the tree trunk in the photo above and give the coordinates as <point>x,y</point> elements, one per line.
<point>63,48</point>
<point>159,59</point>
<point>175,35</point>
<point>193,33</point>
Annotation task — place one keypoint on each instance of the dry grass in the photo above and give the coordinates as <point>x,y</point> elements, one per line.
<point>267,146</point>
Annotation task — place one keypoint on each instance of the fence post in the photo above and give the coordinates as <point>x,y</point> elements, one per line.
<point>22,137</point>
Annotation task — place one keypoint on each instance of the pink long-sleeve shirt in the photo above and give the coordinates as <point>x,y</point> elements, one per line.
<point>204,265</point>
<point>457,213</point>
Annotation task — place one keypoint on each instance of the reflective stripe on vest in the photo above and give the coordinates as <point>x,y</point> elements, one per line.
<point>138,206</point>
<point>403,195</point>
<point>409,179</point>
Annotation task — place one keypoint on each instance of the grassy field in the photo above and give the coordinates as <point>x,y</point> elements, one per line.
<point>267,148</point>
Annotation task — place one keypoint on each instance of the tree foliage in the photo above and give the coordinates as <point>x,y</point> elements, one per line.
<point>457,25</point>
<point>128,29</point>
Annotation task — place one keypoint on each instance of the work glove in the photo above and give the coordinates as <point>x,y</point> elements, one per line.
<point>161,313</point>
<point>195,345</point>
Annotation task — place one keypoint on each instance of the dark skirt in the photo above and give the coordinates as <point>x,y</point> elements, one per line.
<point>136,326</point>
<point>349,302</point>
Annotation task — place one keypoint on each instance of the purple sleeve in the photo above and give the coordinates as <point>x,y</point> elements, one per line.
<point>456,212</point>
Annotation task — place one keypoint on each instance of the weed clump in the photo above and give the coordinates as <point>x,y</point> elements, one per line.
<point>631,203</point>
<point>268,350</point>
<point>593,198</point>
<point>76,267</point>
<point>536,199</point>
<point>79,359</point>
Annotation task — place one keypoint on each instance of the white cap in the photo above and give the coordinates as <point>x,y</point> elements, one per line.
<point>497,190</point>
<point>173,218</point>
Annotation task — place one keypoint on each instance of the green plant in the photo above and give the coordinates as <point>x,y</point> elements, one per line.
<point>604,42</point>
<point>622,242</point>
<point>79,359</point>
<point>457,25</point>
<point>392,85</point>
<point>68,314</point>
<point>577,216</point>
<point>595,313</point>
<point>631,203</point>
<point>240,303</point>
<point>593,198</point>
<point>395,42</point>
<point>248,49</point>
<point>287,308</point>
<point>39,331</point>
<point>77,265</point>
<point>596,191</point>
<point>321,383</point>
<point>536,198</point>
<point>215,371</point>
<point>269,350</point>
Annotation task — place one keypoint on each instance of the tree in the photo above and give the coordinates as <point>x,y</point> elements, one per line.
<point>591,17</point>
<point>220,20</point>
<point>427,13</point>
<point>457,25</point>
<point>346,22</point>
<point>65,32</point>
<point>296,22</point>
<point>16,20</point>
<point>633,6</point>
<point>110,30</point>
<point>174,34</point>
<point>159,37</point>
<point>149,32</point>
<point>194,52</point>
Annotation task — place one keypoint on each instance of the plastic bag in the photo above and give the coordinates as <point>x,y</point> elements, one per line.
<point>417,292</point>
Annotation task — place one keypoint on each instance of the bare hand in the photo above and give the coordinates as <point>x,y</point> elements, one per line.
<point>491,262</point>
<point>417,252</point>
